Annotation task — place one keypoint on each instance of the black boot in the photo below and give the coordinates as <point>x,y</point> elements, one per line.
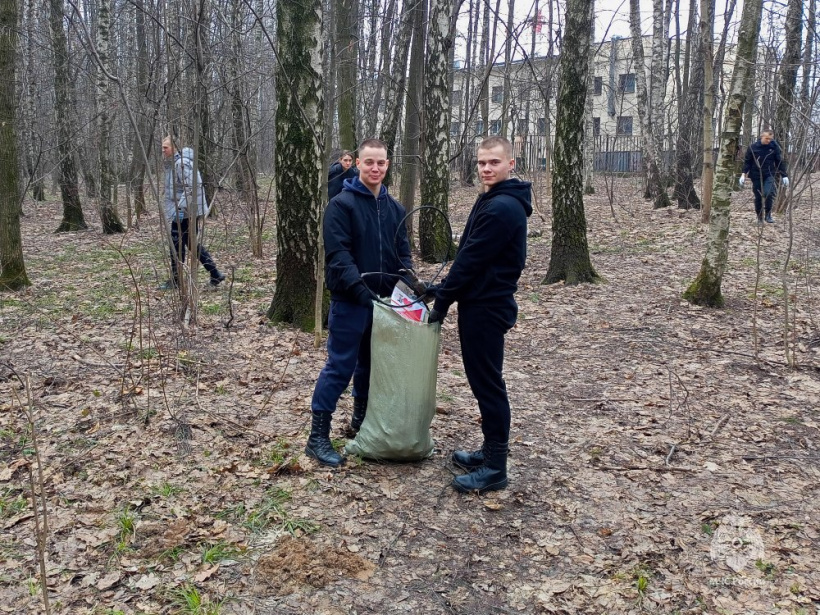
<point>359,412</point>
<point>489,477</point>
<point>469,460</point>
<point>318,444</point>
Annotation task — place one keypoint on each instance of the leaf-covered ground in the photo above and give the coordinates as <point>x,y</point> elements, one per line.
<point>664,456</point>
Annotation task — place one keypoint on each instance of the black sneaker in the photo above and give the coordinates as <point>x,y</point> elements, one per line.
<point>769,219</point>
<point>217,278</point>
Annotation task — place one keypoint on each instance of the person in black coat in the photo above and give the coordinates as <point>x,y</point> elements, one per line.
<point>339,171</point>
<point>364,232</point>
<point>483,279</point>
<point>763,164</point>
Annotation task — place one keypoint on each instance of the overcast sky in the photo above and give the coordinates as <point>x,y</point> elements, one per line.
<point>612,19</point>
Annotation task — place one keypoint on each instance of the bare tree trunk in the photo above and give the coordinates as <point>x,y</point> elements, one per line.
<point>299,162</point>
<point>688,108</point>
<point>73,219</point>
<point>589,136</point>
<point>707,25</point>
<point>705,290</point>
<point>658,78</point>
<point>788,74</point>
<point>347,33</point>
<point>655,185</point>
<point>12,266</point>
<point>412,118</point>
<point>569,255</point>
<point>32,96</point>
<point>384,65</point>
<point>109,217</point>
<point>505,103</point>
<point>435,242</point>
<point>395,89</point>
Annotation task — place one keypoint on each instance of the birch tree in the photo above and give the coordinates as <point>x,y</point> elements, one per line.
<point>108,210</point>
<point>73,219</point>
<point>569,255</point>
<point>706,288</point>
<point>707,25</point>
<point>299,154</point>
<point>655,184</point>
<point>434,240</point>
<point>787,78</point>
<point>12,266</point>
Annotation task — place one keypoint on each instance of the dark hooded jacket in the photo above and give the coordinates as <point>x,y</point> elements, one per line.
<point>493,249</point>
<point>363,234</point>
<point>763,161</point>
<point>336,176</point>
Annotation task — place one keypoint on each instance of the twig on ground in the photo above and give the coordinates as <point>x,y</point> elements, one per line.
<point>386,550</point>
<point>723,420</point>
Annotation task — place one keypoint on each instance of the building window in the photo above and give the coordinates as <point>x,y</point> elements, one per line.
<point>626,83</point>
<point>456,98</point>
<point>498,94</point>
<point>542,125</point>
<point>455,128</point>
<point>479,127</point>
<point>624,125</point>
<point>596,127</point>
<point>495,127</point>
<point>598,85</point>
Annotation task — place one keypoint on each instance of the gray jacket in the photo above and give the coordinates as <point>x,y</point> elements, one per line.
<point>179,182</point>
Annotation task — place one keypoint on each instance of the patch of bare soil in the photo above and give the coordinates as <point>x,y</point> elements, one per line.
<point>295,563</point>
<point>664,457</point>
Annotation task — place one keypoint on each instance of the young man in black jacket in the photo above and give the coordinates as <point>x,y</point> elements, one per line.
<point>364,234</point>
<point>763,163</point>
<point>483,279</point>
<point>338,172</point>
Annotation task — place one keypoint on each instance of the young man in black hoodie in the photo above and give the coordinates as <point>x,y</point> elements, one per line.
<point>483,279</point>
<point>364,234</point>
<point>763,163</point>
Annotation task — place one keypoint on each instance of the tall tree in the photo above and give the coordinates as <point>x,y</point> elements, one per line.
<point>507,93</point>
<point>434,240</point>
<point>569,255</point>
<point>707,25</point>
<point>411,142</point>
<point>589,136</point>
<point>32,97</point>
<point>299,154</point>
<point>788,73</point>
<point>108,209</point>
<point>12,266</point>
<point>73,219</point>
<point>691,92</point>
<point>394,98</point>
<point>655,184</point>
<point>347,33</point>
<point>705,290</point>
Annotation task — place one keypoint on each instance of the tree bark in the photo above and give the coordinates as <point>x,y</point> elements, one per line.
<point>347,31</point>
<point>788,74</point>
<point>12,266</point>
<point>706,288</point>
<point>299,153</point>
<point>73,219</point>
<point>569,255</point>
<point>435,242</point>
<point>589,136</point>
<point>109,217</point>
<point>655,185</point>
<point>395,90</point>
<point>707,25</point>
<point>688,108</point>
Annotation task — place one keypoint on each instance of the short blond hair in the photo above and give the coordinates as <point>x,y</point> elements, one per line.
<point>491,142</point>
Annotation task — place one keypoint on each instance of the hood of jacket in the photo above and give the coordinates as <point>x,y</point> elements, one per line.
<point>355,185</point>
<point>518,189</point>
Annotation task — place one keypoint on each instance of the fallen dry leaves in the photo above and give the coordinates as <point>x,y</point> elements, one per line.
<point>640,422</point>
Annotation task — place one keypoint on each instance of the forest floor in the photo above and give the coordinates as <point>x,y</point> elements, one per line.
<point>664,457</point>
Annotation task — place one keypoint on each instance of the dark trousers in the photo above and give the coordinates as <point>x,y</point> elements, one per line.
<point>179,245</point>
<point>765,191</point>
<point>348,355</point>
<point>481,331</point>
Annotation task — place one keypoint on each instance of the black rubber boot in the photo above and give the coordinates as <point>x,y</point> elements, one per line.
<point>359,412</point>
<point>469,460</point>
<point>492,476</point>
<point>318,444</point>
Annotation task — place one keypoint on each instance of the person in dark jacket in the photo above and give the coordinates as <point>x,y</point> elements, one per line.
<point>483,279</point>
<point>763,164</point>
<point>339,171</point>
<point>363,233</point>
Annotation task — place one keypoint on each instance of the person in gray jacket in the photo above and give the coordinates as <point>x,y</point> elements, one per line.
<point>180,176</point>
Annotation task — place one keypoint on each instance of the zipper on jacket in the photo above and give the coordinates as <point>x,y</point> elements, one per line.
<point>379,218</point>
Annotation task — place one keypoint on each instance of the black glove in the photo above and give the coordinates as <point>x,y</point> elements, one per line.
<point>419,287</point>
<point>436,316</point>
<point>431,290</point>
<point>364,297</point>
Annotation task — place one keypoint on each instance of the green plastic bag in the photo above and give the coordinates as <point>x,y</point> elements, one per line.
<point>402,400</point>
